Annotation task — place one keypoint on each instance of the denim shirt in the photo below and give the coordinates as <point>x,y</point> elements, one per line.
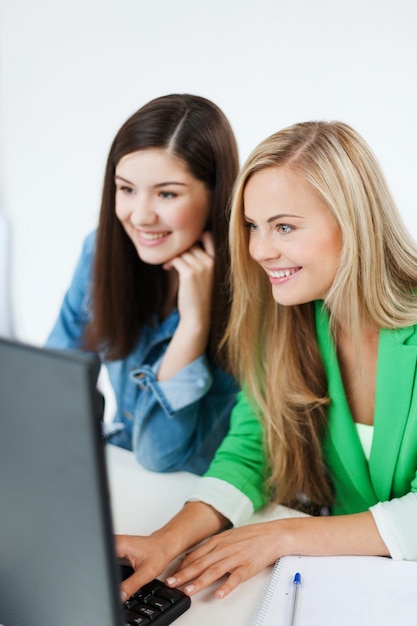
<point>170,425</point>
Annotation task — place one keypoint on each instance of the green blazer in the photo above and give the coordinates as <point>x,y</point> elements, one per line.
<point>391,471</point>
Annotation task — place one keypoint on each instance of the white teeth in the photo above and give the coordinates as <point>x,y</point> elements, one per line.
<point>282,274</point>
<point>152,236</point>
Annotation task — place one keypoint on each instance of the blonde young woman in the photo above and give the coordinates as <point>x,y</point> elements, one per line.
<point>323,337</point>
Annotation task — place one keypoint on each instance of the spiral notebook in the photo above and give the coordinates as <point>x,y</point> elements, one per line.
<point>342,590</point>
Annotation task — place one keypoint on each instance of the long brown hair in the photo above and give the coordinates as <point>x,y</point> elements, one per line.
<point>126,292</point>
<point>273,348</point>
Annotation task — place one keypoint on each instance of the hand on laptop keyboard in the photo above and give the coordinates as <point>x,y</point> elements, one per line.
<point>154,603</point>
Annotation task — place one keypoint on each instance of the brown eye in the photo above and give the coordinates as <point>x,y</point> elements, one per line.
<point>124,189</point>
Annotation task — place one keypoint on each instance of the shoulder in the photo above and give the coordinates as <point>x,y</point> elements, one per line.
<point>89,244</point>
<point>85,260</point>
<point>88,250</point>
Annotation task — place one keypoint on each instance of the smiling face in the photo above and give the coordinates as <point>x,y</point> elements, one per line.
<point>162,207</point>
<point>293,235</point>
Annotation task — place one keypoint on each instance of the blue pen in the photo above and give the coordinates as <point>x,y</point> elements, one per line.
<point>296,582</point>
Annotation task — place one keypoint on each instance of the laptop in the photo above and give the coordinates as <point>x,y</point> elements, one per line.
<point>57,560</point>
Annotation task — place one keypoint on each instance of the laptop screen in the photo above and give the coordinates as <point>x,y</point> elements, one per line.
<point>57,561</point>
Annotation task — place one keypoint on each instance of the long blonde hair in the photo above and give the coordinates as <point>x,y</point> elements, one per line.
<point>272,348</point>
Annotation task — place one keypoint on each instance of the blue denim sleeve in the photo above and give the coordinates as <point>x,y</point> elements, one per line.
<point>187,386</point>
<point>179,424</point>
<point>75,308</point>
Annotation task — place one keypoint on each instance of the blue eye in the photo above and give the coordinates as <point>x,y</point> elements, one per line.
<point>285,228</point>
<point>249,226</point>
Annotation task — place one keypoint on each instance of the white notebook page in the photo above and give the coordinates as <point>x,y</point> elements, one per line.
<point>341,590</point>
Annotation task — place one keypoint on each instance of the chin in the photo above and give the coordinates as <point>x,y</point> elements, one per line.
<point>150,256</point>
<point>291,300</point>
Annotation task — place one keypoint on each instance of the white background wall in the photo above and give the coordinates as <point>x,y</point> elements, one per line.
<point>72,72</point>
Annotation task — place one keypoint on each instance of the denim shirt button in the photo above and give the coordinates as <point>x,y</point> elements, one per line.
<point>200,383</point>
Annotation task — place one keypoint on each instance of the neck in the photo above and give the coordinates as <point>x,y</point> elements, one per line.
<point>367,332</point>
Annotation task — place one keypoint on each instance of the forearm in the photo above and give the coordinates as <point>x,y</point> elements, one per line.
<point>346,534</point>
<point>193,272</point>
<point>179,424</point>
<point>187,344</point>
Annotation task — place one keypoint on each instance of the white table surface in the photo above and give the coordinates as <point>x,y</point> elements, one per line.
<point>142,501</point>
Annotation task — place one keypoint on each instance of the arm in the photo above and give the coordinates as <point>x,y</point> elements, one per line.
<point>178,424</point>
<point>242,552</point>
<point>195,269</point>
<point>240,457</point>
<point>387,529</point>
<point>245,551</point>
<point>396,522</point>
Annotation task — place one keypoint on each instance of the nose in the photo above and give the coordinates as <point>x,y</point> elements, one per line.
<point>143,213</point>
<point>262,247</point>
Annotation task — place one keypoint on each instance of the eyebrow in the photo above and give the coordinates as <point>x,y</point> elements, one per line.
<point>170,182</point>
<point>279,216</point>
<point>164,184</point>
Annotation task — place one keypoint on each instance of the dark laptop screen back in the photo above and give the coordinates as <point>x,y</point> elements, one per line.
<point>57,563</point>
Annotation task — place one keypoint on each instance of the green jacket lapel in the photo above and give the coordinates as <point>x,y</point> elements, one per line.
<point>395,384</point>
<point>342,448</point>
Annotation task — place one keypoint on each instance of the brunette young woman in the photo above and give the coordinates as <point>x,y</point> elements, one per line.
<point>323,338</point>
<point>149,294</point>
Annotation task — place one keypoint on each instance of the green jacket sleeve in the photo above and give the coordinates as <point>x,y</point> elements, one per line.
<point>240,460</point>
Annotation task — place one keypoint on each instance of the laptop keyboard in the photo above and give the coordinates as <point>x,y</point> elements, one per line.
<point>155,604</point>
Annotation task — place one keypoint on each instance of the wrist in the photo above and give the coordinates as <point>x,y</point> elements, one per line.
<point>287,537</point>
<point>194,327</point>
<point>172,541</point>
<point>196,521</point>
